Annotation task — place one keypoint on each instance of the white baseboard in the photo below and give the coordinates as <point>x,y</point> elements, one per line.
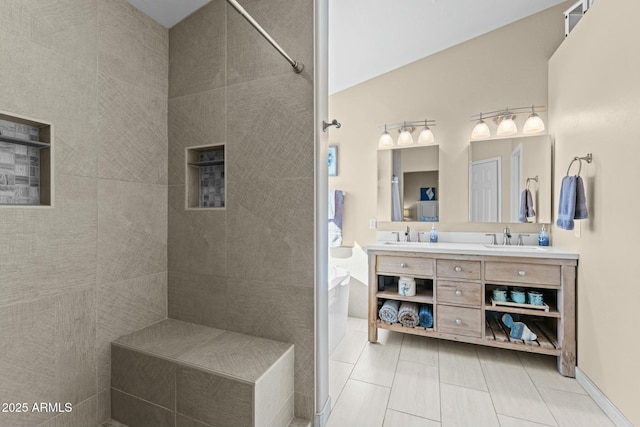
<point>601,400</point>
<point>322,416</point>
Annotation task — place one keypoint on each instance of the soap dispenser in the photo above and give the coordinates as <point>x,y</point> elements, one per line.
<point>433,236</point>
<point>543,237</point>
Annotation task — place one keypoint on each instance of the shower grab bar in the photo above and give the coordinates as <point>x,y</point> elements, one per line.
<point>297,66</point>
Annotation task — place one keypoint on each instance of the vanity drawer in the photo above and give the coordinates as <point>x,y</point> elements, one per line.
<point>522,273</point>
<point>459,321</point>
<point>458,269</point>
<point>405,266</point>
<point>464,293</point>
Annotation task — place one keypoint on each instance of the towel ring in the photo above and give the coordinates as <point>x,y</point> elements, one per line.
<point>571,164</point>
<point>531,179</point>
<point>588,158</point>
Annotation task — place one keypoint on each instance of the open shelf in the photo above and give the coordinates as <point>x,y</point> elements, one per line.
<point>208,163</point>
<point>547,339</point>
<point>423,296</point>
<point>521,309</point>
<point>13,140</point>
<point>417,330</point>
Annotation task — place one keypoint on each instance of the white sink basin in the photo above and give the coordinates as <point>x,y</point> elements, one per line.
<point>515,248</point>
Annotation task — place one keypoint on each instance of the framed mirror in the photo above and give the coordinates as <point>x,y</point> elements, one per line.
<point>408,184</point>
<point>500,172</point>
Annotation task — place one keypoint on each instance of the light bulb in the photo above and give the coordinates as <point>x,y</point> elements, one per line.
<point>426,136</point>
<point>405,137</point>
<point>480,130</point>
<point>507,126</point>
<point>534,124</point>
<point>386,141</point>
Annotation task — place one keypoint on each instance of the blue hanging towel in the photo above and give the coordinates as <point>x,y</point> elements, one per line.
<point>573,202</point>
<point>581,200</point>
<point>425,316</point>
<point>567,203</point>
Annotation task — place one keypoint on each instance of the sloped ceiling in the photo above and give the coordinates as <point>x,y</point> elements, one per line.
<point>368,38</point>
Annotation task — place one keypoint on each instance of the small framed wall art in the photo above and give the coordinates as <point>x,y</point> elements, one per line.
<point>333,160</point>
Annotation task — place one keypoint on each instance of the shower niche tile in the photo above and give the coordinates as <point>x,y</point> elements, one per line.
<point>26,162</point>
<point>205,177</point>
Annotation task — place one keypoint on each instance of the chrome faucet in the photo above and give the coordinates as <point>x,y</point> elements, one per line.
<point>506,238</point>
<point>493,238</point>
<point>407,234</point>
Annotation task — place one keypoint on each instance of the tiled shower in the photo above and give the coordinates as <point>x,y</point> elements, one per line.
<point>118,251</point>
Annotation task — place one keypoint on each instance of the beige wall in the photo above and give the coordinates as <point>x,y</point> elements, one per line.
<point>506,67</point>
<point>79,275</point>
<point>595,104</point>
<point>248,268</point>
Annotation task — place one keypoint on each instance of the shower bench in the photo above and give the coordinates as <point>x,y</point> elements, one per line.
<point>175,373</point>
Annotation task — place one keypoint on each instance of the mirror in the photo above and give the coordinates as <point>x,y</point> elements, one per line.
<point>499,171</point>
<point>408,181</point>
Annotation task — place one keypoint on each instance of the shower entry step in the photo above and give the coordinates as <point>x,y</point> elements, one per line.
<point>175,374</point>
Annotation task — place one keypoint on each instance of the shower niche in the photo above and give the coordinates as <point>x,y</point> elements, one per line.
<point>205,177</point>
<point>26,162</point>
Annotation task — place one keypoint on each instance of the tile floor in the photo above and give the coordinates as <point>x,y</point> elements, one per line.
<point>412,381</point>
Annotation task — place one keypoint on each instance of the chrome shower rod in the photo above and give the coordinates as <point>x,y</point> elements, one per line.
<point>297,66</point>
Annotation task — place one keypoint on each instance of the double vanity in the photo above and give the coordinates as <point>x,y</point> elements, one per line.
<point>456,281</point>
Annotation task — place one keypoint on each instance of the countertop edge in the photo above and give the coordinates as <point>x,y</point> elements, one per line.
<point>473,249</point>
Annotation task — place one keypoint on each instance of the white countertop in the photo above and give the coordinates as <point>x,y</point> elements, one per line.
<point>475,249</point>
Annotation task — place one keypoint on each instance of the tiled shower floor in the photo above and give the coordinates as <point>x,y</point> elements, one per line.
<point>407,380</point>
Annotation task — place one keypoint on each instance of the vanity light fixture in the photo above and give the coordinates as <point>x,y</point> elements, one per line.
<point>507,126</point>
<point>405,137</point>
<point>506,123</point>
<point>480,130</point>
<point>385,139</point>
<point>534,123</point>
<point>426,136</point>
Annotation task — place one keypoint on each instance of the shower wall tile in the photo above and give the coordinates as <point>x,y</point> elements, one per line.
<point>64,26</point>
<point>197,51</point>
<point>285,313</point>
<point>63,93</point>
<point>75,346</point>
<point>197,119</point>
<point>197,243</point>
<point>132,411</point>
<point>260,278</point>
<point>250,56</point>
<point>146,377</point>
<point>83,414</point>
<point>52,315</point>
<point>132,132</point>
<point>270,234</point>
<point>27,358</point>
<point>124,307</point>
<point>199,298</point>
<point>269,128</point>
<point>132,230</point>
<point>132,47</point>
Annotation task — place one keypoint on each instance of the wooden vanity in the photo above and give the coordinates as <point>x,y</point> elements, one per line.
<point>457,282</point>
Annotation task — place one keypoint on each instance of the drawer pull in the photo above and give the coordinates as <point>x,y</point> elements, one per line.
<point>458,322</point>
<point>457,268</point>
<point>522,273</point>
<point>403,264</point>
<point>458,293</point>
